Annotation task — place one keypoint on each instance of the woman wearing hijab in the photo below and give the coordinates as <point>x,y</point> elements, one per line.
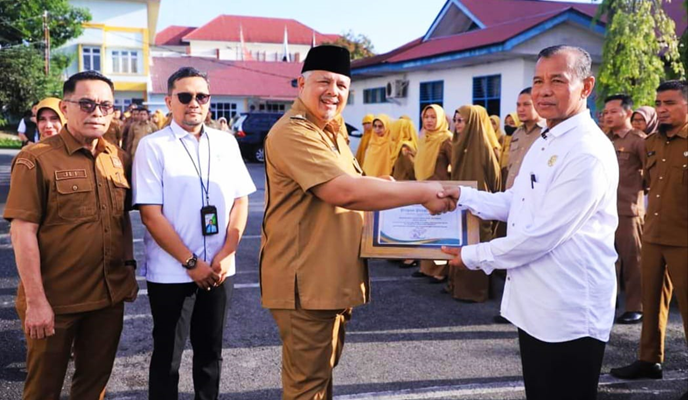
<point>405,142</point>
<point>49,118</point>
<point>473,159</point>
<point>511,123</point>
<point>432,163</point>
<point>365,139</point>
<point>645,119</point>
<point>496,125</point>
<point>378,156</point>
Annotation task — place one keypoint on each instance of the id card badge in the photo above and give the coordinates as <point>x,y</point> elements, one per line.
<point>209,221</point>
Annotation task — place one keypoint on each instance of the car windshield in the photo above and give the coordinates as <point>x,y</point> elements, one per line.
<point>237,124</point>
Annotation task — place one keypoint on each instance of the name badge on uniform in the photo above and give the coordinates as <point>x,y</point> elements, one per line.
<point>552,160</point>
<point>209,221</point>
<point>116,162</point>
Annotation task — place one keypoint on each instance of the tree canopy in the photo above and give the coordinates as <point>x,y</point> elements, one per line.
<point>360,46</point>
<point>22,50</point>
<point>640,48</point>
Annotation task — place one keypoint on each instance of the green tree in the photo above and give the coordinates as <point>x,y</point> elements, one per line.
<point>22,50</point>
<point>360,46</point>
<point>640,42</point>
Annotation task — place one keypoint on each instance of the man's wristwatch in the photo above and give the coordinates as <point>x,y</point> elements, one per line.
<point>130,263</point>
<point>190,263</point>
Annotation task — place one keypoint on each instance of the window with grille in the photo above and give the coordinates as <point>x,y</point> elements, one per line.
<point>431,93</point>
<point>91,58</point>
<point>227,110</point>
<point>487,92</point>
<point>374,95</point>
<point>125,61</point>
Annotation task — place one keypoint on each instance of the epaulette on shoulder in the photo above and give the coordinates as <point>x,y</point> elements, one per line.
<point>298,117</point>
<point>39,148</point>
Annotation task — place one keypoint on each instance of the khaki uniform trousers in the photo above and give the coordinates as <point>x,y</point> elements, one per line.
<point>312,343</point>
<point>95,335</point>
<point>628,245</point>
<point>663,269</point>
<point>467,285</point>
<point>432,268</point>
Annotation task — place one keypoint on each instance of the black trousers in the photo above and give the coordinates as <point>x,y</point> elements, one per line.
<point>180,309</point>
<point>562,371</point>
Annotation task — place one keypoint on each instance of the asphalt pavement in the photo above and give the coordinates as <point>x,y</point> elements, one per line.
<point>410,342</point>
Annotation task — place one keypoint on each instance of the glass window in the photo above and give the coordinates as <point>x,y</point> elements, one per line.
<point>91,58</point>
<point>487,92</point>
<point>227,110</point>
<point>431,93</point>
<point>125,61</point>
<point>375,95</point>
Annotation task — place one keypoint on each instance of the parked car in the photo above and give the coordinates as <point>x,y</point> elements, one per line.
<point>354,137</point>
<point>250,131</point>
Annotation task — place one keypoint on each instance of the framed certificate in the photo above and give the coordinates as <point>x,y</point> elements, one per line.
<point>412,233</point>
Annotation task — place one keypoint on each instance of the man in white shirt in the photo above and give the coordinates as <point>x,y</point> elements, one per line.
<point>559,250</point>
<point>193,198</point>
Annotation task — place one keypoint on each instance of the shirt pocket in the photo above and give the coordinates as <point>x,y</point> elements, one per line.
<point>76,199</point>
<point>118,190</point>
<point>623,155</point>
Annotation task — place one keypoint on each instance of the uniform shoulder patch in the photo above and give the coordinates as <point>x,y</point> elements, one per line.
<point>26,162</point>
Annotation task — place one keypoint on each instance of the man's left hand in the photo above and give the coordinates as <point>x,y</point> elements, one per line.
<point>221,264</point>
<point>457,261</point>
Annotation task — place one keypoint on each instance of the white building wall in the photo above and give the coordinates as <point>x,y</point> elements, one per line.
<point>458,90</point>
<point>116,13</point>
<point>232,50</point>
<point>157,102</point>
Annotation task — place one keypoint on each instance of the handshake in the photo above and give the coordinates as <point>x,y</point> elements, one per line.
<point>441,199</point>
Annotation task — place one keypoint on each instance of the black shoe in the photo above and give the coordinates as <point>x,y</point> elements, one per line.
<point>445,290</point>
<point>404,264</point>
<point>630,317</point>
<point>638,370</point>
<point>418,274</point>
<point>684,397</point>
<point>435,281</point>
<point>498,319</point>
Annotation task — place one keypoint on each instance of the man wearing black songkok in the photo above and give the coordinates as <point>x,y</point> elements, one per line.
<point>311,273</point>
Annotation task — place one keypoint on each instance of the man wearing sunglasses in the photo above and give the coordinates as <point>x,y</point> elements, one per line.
<point>192,188</point>
<point>73,245</point>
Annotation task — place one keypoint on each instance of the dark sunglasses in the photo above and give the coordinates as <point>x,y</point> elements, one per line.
<point>89,106</point>
<point>185,98</point>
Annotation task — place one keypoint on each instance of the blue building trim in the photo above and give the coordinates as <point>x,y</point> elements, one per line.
<point>445,9</point>
<point>568,16</point>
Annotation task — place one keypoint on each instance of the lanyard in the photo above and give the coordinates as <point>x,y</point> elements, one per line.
<point>205,187</point>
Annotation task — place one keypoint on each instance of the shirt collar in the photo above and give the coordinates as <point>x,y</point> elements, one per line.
<point>72,145</point>
<point>180,132</point>
<point>300,108</point>
<point>570,123</point>
<point>622,134</point>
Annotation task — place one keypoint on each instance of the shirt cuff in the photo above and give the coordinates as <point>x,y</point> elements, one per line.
<point>465,198</point>
<point>478,257</point>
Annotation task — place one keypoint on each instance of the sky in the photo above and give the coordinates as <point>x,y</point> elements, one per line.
<point>388,23</point>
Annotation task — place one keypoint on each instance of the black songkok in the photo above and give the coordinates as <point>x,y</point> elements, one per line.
<point>328,58</point>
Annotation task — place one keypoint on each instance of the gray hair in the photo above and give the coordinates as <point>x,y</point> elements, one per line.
<point>583,63</point>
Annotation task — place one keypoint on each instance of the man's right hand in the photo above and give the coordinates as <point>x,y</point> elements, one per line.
<point>203,275</point>
<point>40,319</point>
<point>437,202</point>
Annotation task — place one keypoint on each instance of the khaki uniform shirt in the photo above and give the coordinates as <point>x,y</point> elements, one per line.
<point>521,141</point>
<point>443,164</point>
<point>78,201</point>
<point>666,168</point>
<point>630,151</point>
<point>113,134</point>
<point>309,248</point>
<point>137,131</point>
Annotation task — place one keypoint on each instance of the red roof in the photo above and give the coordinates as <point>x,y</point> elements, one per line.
<point>225,28</point>
<point>502,20</point>
<point>233,78</point>
<point>172,35</point>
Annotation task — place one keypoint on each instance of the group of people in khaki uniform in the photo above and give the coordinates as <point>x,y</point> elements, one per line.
<point>71,190</point>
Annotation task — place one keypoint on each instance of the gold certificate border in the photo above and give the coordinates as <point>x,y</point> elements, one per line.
<point>368,250</point>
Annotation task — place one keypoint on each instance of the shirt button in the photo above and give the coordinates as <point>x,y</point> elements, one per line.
<point>513,224</point>
<point>103,206</point>
<point>75,188</point>
<point>656,214</point>
<point>657,195</point>
<point>661,177</point>
<point>663,159</point>
<point>523,199</point>
<point>100,184</point>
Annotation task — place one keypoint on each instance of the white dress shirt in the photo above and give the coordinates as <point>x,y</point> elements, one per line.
<point>559,249</point>
<point>164,174</point>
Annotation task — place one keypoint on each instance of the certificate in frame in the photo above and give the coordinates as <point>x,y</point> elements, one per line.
<point>411,233</point>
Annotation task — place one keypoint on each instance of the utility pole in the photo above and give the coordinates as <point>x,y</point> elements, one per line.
<point>46,39</point>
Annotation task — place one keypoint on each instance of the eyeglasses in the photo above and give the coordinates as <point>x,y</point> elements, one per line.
<point>458,120</point>
<point>89,106</point>
<point>201,98</point>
